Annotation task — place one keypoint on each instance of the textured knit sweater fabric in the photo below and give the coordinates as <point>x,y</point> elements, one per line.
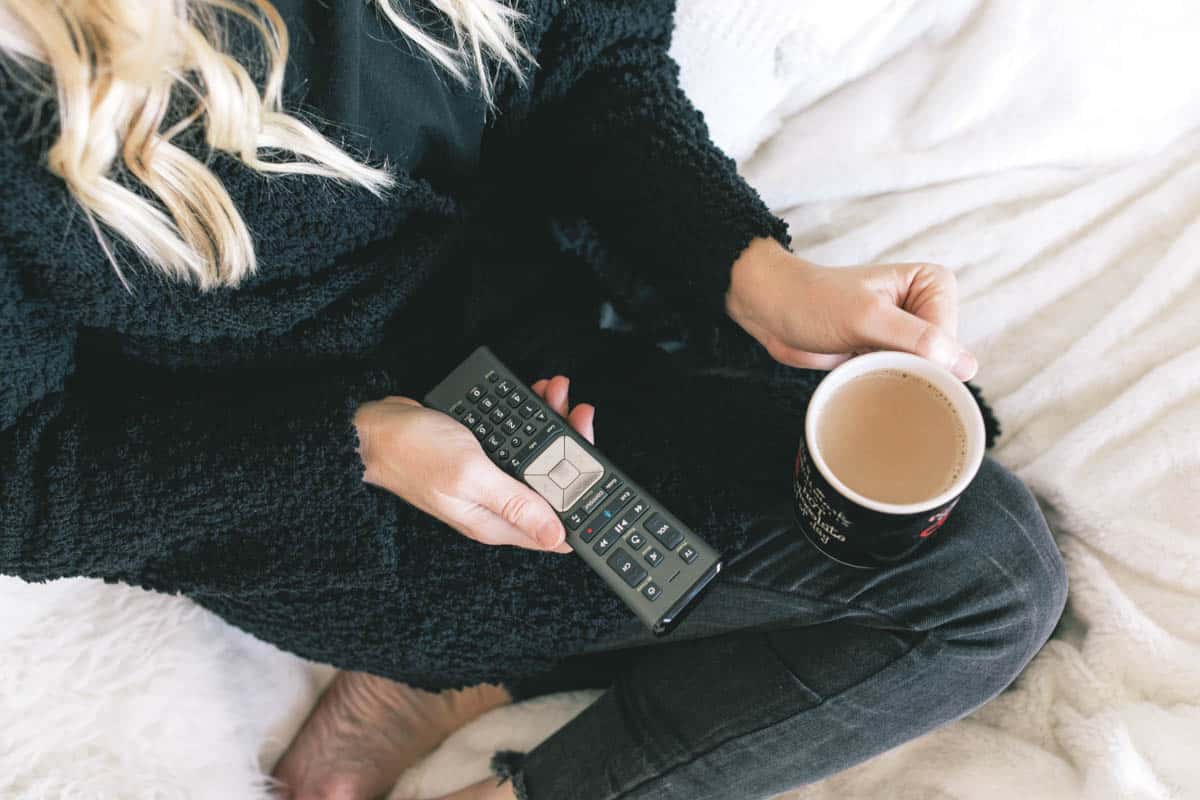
<point>202,443</point>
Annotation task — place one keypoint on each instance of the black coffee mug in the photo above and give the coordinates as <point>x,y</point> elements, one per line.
<point>857,530</point>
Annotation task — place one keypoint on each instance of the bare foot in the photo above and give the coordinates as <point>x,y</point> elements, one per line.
<point>366,730</point>
<point>486,789</point>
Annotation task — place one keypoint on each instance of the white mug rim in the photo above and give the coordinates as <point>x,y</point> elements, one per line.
<point>961,397</point>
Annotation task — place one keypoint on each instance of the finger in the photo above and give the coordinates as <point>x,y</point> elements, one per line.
<point>932,295</point>
<point>895,328</point>
<point>802,359</point>
<point>518,505</point>
<point>485,527</point>
<point>556,394</point>
<point>582,418</point>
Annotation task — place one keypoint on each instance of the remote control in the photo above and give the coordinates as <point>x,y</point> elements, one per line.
<point>653,562</point>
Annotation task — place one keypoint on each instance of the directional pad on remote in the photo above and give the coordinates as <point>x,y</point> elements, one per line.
<point>562,472</point>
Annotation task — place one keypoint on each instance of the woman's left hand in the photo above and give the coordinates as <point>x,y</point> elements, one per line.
<point>807,315</point>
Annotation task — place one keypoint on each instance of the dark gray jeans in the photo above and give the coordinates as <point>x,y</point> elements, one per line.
<point>793,667</point>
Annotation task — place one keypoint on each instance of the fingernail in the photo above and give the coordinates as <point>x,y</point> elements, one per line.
<point>966,366</point>
<point>944,351</point>
<point>550,537</point>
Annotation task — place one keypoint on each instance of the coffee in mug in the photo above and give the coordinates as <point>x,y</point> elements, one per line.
<point>893,436</point>
<point>891,441</point>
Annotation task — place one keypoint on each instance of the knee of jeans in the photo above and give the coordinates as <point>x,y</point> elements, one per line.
<point>1020,586</point>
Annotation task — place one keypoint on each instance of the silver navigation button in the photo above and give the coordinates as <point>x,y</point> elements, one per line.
<point>562,472</point>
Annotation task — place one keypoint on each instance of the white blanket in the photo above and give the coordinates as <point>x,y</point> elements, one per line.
<point>1047,152</point>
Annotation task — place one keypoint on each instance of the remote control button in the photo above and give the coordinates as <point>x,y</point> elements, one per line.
<point>625,496</point>
<point>492,376</point>
<point>653,557</point>
<point>471,418</point>
<point>516,398</point>
<point>624,565</point>
<point>613,508</point>
<point>481,430</point>
<point>511,425</point>
<point>533,445</point>
<point>459,408</point>
<point>687,553</point>
<point>651,591</point>
<point>487,403</point>
<point>564,473</point>
<point>592,501</point>
<point>558,448</point>
<point>530,429</point>
<point>575,519</point>
<point>515,463</point>
<point>530,450</point>
<point>504,387</point>
<point>552,427</point>
<point>660,529</point>
<point>516,442</point>
<point>612,483</point>
<point>498,415</point>
<point>606,541</point>
<point>637,509</point>
<point>589,533</point>
<point>474,393</point>
<point>527,452</point>
<point>528,410</point>
<point>622,525</point>
<point>492,442</point>
<point>636,541</point>
<point>502,455</point>
<point>541,416</point>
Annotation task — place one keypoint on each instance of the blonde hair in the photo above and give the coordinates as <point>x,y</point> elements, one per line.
<point>115,68</point>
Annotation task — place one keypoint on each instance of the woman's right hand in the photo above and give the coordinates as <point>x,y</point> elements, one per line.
<point>808,315</point>
<point>436,464</point>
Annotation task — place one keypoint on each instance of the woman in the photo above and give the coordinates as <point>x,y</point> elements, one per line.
<point>239,237</point>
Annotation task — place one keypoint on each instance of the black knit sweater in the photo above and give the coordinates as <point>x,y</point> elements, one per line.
<point>202,442</point>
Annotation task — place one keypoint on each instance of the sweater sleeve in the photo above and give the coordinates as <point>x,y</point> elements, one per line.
<point>173,485</point>
<point>611,138</point>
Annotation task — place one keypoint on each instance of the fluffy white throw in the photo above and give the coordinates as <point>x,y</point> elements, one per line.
<point>1046,151</point>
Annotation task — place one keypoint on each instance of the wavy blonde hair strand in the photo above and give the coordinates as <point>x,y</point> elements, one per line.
<point>115,67</point>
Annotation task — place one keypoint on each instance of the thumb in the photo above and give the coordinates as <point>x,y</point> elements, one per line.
<point>896,329</point>
<point>524,509</point>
